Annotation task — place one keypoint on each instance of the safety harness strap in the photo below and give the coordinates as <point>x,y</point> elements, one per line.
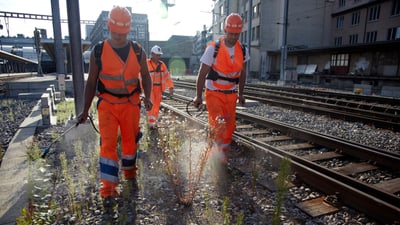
<point>213,75</point>
<point>218,44</point>
<point>98,50</point>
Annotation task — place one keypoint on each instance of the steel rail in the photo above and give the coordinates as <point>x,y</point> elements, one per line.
<point>379,204</point>
<point>321,92</point>
<point>363,109</point>
<point>350,195</point>
<point>360,151</point>
<point>377,118</point>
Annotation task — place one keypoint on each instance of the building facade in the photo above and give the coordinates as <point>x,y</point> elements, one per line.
<point>337,43</point>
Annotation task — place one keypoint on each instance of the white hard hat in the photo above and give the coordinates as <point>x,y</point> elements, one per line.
<point>156,50</point>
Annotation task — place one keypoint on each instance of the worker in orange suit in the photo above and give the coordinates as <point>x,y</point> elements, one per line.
<point>115,67</point>
<point>223,74</point>
<point>161,78</point>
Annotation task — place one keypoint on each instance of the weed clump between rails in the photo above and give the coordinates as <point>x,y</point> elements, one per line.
<point>185,152</point>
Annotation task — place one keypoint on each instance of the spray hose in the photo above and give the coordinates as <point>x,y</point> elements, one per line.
<point>199,110</point>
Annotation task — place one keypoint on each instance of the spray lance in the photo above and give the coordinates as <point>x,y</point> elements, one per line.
<point>47,149</point>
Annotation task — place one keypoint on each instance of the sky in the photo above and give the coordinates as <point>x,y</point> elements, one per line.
<point>186,17</point>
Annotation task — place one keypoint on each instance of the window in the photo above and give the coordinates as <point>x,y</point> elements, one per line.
<point>393,34</point>
<point>396,8</point>
<point>371,36</point>
<point>355,18</point>
<point>340,60</point>
<point>353,39</point>
<point>141,35</point>
<point>215,17</point>
<point>374,13</point>
<point>244,16</point>
<point>340,22</point>
<point>342,3</point>
<point>244,36</point>
<point>256,11</point>
<point>255,33</point>
<point>338,41</point>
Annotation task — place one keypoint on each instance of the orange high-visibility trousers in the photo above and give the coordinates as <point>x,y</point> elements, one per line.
<point>114,118</point>
<point>221,116</point>
<point>156,98</point>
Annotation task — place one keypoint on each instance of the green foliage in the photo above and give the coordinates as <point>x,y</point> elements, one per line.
<point>55,190</point>
<point>254,175</point>
<point>33,152</point>
<point>65,109</point>
<point>206,199</point>
<point>1,152</point>
<point>25,218</point>
<point>240,219</point>
<point>225,210</point>
<point>282,188</point>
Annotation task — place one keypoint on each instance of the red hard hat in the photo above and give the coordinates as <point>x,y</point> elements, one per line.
<point>233,23</point>
<point>119,20</point>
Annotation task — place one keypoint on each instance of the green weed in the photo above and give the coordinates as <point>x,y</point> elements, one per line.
<point>225,210</point>
<point>33,152</point>
<point>56,194</point>
<point>282,188</point>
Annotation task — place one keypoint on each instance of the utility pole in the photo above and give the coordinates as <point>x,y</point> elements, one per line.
<point>250,17</point>
<point>76,53</point>
<point>282,78</point>
<point>36,36</point>
<point>58,48</point>
<point>227,8</point>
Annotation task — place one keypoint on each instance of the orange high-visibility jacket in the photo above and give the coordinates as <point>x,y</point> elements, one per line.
<point>227,67</point>
<point>159,74</point>
<point>117,78</point>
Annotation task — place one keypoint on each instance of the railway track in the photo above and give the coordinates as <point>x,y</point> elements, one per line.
<point>311,156</point>
<point>332,166</point>
<point>310,153</point>
<point>379,111</point>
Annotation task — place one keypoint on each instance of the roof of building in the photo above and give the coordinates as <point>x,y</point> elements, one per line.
<point>48,45</point>
<point>12,57</point>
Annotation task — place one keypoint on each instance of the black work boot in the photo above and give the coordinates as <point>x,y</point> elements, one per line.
<point>133,185</point>
<point>108,205</point>
<point>127,213</point>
